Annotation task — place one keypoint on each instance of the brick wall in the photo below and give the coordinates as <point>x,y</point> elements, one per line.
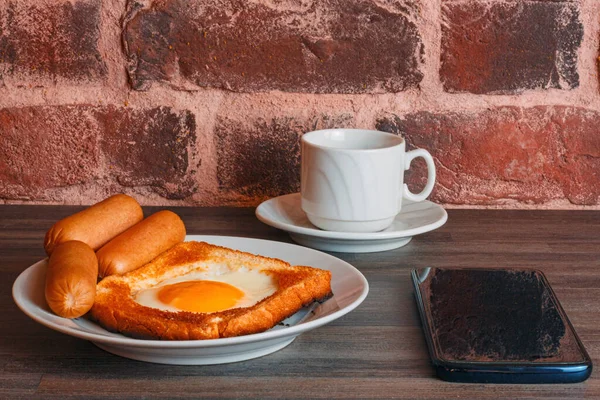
<point>203,102</point>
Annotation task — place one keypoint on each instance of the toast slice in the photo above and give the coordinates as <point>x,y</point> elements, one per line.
<point>116,309</point>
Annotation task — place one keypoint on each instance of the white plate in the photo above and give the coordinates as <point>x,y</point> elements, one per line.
<point>284,212</point>
<point>348,285</point>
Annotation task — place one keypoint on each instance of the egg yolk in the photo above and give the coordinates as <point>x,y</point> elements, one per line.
<point>200,296</point>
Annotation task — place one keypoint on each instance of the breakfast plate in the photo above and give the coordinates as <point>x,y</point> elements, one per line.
<point>348,285</point>
<point>285,213</point>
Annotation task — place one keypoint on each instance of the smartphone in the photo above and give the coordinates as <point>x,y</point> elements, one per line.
<point>497,326</point>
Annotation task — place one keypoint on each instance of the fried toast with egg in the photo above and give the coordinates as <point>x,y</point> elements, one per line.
<point>208,305</point>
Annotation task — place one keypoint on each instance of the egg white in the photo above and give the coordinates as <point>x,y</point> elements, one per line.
<point>255,285</point>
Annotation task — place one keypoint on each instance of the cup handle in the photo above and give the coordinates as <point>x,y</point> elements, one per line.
<point>411,155</point>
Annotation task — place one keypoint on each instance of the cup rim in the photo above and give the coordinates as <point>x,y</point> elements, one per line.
<point>304,140</point>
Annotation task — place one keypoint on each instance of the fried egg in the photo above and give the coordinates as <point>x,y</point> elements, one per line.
<point>209,291</point>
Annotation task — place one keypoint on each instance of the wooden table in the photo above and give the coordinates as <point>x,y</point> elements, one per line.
<point>376,351</point>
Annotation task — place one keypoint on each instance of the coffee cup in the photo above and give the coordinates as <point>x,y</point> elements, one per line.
<point>352,180</point>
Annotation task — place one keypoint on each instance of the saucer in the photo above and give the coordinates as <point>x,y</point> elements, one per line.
<point>285,213</point>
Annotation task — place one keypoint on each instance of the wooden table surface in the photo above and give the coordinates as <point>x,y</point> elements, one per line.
<point>376,351</point>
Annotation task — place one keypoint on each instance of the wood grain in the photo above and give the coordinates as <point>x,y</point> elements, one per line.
<point>377,351</point>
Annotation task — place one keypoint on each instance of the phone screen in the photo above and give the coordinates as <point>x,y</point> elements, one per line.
<point>493,316</point>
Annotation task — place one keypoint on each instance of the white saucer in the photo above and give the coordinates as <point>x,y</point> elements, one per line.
<point>348,285</point>
<point>284,213</point>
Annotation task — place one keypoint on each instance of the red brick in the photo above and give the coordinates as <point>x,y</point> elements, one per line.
<point>50,39</point>
<point>259,158</point>
<point>149,148</point>
<point>529,155</point>
<point>509,46</point>
<point>48,147</point>
<point>329,46</point>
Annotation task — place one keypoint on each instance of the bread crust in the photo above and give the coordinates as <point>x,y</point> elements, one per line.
<point>116,310</point>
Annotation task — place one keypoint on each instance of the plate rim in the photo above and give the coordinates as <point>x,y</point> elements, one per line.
<point>196,344</point>
<point>350,236</point>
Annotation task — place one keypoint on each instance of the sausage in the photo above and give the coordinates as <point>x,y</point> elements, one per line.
<point>97,224</point>
<point>139,244</point>
<point>71,279</point>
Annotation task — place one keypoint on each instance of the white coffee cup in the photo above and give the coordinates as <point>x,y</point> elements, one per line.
<point>352,180</point>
